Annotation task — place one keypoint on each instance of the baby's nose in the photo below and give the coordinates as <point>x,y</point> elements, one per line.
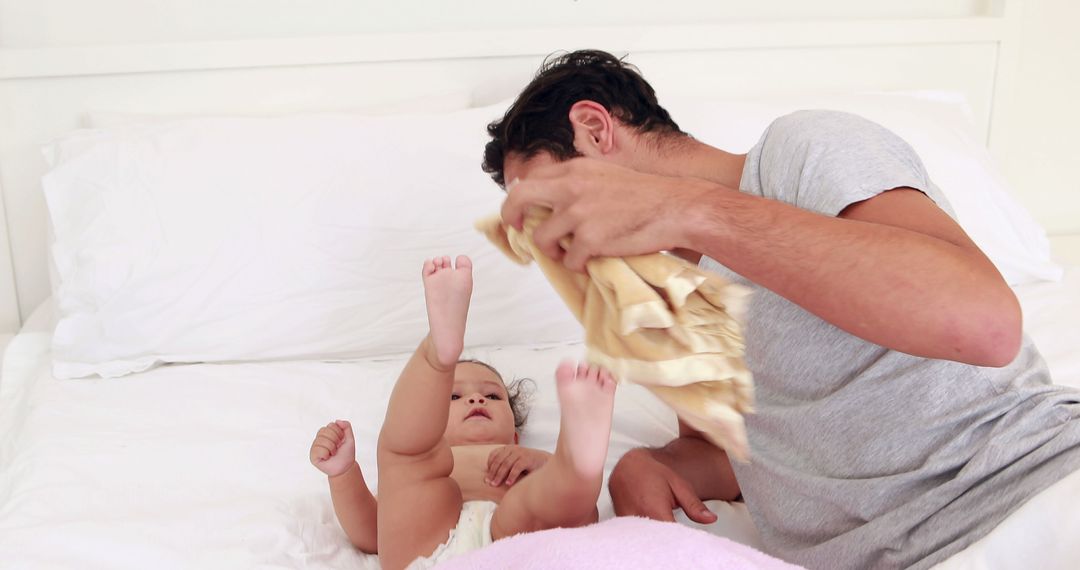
<point>476,399</point>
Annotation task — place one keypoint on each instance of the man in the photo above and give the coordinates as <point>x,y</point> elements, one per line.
<point>901,413</point>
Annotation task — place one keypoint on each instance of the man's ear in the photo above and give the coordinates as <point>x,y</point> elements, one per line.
<point>594,128</point>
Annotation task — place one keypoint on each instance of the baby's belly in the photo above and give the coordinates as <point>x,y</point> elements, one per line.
<point>470,468</point>
<point>481,492</point>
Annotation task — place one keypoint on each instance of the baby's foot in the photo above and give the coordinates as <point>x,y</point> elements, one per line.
<point>447,291</point>
<point>587,397</point>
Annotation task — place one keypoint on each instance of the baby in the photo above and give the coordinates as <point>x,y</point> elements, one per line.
<point>446,448</point>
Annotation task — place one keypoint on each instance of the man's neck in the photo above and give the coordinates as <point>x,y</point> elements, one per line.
<point>688,157</point>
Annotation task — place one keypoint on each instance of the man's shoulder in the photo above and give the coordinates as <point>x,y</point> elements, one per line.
<point>820,134</point>
<point>811,124</point>
<point>823,160</point>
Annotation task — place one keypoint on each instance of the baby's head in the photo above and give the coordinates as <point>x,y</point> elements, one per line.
<point>483,409</point>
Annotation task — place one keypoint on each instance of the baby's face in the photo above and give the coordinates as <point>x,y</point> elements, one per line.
<point>479,409</point>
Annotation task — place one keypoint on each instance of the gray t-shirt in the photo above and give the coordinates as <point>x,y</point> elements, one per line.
<point>865,457</point>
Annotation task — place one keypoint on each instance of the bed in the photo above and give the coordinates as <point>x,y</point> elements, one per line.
<point>183,443</point>
<point>204,465</point>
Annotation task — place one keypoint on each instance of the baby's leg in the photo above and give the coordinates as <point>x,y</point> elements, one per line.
<point>418,502</point>
<point>563,492</point>
<point>416,415</point>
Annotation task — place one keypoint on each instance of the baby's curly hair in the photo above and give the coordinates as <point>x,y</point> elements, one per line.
<point>518,393</point>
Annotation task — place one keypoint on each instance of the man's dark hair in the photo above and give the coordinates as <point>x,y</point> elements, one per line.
<point>538,120</point>
<point>518,393</point>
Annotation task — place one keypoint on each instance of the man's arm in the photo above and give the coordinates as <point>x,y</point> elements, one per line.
<point>652,482</point>
<point>894,269</point>
<point>705,466</point>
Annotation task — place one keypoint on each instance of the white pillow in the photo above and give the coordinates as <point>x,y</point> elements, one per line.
<point>240,239</point>
<point>224,239</point>
<point>938,127</point>
<point>428,103</point>
<point>436,102</point>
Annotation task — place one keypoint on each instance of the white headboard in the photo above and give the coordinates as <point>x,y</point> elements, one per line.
<point>47,85</point>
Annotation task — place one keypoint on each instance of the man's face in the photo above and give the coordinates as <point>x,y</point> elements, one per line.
<point>516,167</point>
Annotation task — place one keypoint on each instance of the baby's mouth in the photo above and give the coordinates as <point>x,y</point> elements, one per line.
<point>478,412</point>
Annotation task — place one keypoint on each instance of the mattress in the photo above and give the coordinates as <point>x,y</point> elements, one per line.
<point>205,466</point>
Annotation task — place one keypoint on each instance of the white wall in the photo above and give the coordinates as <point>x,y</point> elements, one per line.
<point>1043,118</point>
<point>40,23</point>
<point>1043,158</point>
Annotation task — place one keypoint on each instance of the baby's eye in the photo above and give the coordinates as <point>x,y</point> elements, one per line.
<point>493,397</point>
<point>454,397</point>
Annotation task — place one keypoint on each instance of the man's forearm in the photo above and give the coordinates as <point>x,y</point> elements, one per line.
<point>703,465</point>
<point>890,285</point>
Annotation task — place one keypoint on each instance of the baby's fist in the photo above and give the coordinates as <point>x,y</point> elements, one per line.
<point>334,449</point>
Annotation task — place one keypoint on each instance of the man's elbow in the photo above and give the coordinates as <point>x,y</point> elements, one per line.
<point>1000,351</point>
<point>997,335</point>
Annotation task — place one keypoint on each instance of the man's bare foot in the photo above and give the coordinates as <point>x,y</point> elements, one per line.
<point>587,398</point>
<point>447,290</point>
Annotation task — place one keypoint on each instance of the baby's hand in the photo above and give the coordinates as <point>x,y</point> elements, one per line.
<point>334,449</point>
<point>511,462</point>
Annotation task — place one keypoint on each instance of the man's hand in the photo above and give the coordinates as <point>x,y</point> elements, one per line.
<point>334,450</point>
<point>643,486</point>
<point>606,209</point>
<point>509,463</point>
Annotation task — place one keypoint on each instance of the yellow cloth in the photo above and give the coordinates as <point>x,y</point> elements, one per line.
<point>657,321</point>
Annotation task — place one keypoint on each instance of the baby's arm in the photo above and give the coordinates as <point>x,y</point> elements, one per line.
<point>334,452</point>
<point>509,463</point>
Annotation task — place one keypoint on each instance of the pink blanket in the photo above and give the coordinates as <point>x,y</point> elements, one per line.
<point>623,543</point>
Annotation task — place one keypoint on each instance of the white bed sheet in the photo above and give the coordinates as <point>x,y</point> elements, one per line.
<point>205,466</point>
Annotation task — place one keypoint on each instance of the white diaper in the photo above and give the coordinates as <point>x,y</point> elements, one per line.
<point>473,531</point>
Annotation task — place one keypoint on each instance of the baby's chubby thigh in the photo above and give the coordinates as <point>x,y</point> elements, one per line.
<point>552,497</point>
<point>418,507</point>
